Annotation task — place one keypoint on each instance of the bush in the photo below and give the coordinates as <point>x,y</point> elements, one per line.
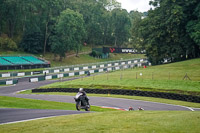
<point>7,43</point>
<point>96,54</point>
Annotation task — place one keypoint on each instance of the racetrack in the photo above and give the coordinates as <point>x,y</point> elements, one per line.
<point>14,115</point>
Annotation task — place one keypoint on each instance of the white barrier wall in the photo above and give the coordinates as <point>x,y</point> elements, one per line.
<point>101,66</point>
<point>9,82</point>
<point>117,68</point>
<point>76,69</point>
<point>85,68</point>
<point>82,72</point>
<point>100,70</point>
<point>91,71</point>
<point>46,71</point>
<point>93,67</point>
<point>60,75</point>
<point>56,71</point>
<point>48,77</point>
<point>71,74</point>
<point>109,69</point>
<point>6,75</point>
<point>20,74</point>
<point>34,79</point>
<point>66,70</point>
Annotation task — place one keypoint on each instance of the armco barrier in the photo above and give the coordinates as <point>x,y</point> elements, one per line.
<point>77,67</point>
<point>188,98</point>
<point>81,72</point>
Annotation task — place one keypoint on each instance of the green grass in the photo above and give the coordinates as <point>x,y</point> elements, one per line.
<point>152,99</point>
<point>12,102</point>
<point>161,78</point>
<point>113,122</point>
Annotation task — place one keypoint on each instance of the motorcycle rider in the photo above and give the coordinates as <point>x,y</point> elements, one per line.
<point>84,95</point>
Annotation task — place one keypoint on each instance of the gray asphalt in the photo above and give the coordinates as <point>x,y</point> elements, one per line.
<point>9,115</point>
<point>12,115</point>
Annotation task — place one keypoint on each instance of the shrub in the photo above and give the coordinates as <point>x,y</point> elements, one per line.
<point>7,43</point>
<point>96,54</point>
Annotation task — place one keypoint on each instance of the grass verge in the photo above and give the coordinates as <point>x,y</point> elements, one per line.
<point>12,102</point>
<point>113,122</point>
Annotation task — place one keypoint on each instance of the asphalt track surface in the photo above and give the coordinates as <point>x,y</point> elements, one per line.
<point>18,115</point>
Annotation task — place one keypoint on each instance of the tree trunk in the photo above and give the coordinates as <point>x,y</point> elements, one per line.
<point>60,58</point>
<point>46,37</point>
<point>77,53</point>
<point>54,58</point>
<point>115,41</point>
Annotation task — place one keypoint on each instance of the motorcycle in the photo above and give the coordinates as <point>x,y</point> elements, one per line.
<point>81,102</point>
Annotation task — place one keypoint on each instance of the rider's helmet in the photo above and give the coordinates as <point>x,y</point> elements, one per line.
<point>80,89</point>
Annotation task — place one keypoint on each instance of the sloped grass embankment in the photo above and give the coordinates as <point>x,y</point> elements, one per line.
<point>161,78</point>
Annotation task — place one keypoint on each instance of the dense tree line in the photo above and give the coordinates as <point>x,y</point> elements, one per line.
<point>61,25</point>
<point>169,31</point>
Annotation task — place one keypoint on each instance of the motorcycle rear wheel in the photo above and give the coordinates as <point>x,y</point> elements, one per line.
<point>87,108</point>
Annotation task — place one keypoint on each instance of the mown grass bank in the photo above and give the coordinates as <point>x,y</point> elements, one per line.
<point>161,78</point>
<point>12,102</point>
<point>113,122</point>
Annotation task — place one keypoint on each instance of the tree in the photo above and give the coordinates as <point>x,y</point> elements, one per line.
<point>136,18</point>
<point>193,28</point>
<point>163,32</point>
<point>32,42</point>
<point>70,32</point>
<point>121,26</point>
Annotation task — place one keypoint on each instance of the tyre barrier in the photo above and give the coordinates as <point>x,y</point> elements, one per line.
<point>173,96</point>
